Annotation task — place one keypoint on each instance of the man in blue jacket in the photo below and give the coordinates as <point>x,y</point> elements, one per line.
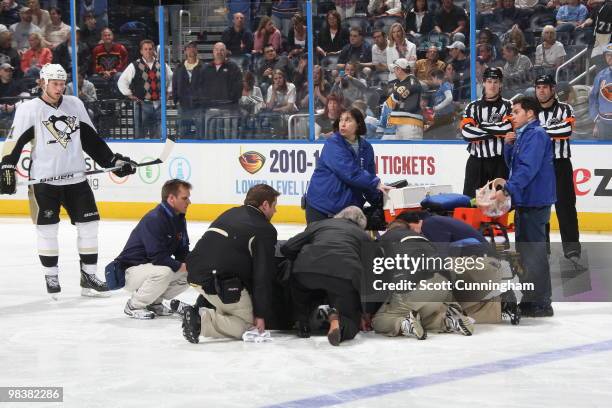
<point>529,155</point>
<point>154,255</point>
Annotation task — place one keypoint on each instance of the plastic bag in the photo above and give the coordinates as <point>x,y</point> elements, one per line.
<point>486,202</point>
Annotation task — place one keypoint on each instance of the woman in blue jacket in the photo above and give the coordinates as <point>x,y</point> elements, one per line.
<point>345,174</point>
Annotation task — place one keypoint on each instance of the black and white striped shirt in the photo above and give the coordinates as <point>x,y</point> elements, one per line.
<point>484,124</point>
<point>558,121</point>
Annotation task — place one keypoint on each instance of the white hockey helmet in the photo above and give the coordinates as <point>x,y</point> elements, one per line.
<point>53,71</point>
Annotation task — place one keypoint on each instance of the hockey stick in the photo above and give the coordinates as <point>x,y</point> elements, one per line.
<point>168,146</point>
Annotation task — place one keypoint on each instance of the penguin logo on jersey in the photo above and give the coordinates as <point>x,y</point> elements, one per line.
<point>553,121</point>
<point>61,128</point>
<point>495,117</point>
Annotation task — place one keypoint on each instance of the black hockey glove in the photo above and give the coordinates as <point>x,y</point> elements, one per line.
<point>8,183</point>
<point>128,166</point>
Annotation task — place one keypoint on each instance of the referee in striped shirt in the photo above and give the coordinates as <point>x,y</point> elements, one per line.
<point>484,124</point>
<point>557,118</point>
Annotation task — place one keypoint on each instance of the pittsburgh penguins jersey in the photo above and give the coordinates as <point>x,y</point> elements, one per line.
<point>403,106</point>
<point>59,135</point>
<point>484,125</point>
<point>558,121</point>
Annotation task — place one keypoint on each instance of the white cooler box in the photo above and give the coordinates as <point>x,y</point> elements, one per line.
<point>409,198</point>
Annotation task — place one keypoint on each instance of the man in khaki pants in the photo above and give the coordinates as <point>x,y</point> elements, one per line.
<point>235,255</point>
<point>155,254</point>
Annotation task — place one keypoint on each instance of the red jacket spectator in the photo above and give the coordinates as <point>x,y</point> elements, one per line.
<point>109,57</point>
<point>35,56</point>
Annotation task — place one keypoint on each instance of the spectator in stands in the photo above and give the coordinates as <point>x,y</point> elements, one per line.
<point>40,17</point>
<point>320,85</point>
<point>458,59</point>
<point>450,19</point>
<point>480,68</point>
<point>9,12</point>
<point>10,89</point>
<point>35,57</point>
<point>486,36</point>
<point>379,55</point>
<point>296,40</point>
<point>356,50</point>
<point>63,54</point>
<point>57,32</point>
<point>271,63</point>
<point>571,15</point>
<point>509,15</point>
<point>141,83</point>
<point>245,7</point>
<point>8,53</point>
<point>443,107</point>
<point>282,14</point>
<point>517,70</point>
<point>222,82</point>
<point>266,34</point>
<point>349,85</point>
<point>332,37</point>
<point>400,47</point>
<point>515,36</point>
<point>90,34</point>
<point>485,53</point>
<point>109,58</point>
<point>251,101</point>
<point>187,87</point>
<point>324,124</point>
<point>22,30</point>
<point>419,21</point>
<point>87,93</point>
<point>600,19</point>
<point>551,53</point>
<point>346,8</point>
<point>237,38</point>
<point>281,95</point>
<point>379,8</point>
<point>425,66</point>
<point>484,15</point>
<point>600,99</point>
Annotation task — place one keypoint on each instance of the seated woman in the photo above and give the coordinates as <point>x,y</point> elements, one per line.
<point>266,34</point>
<point>296,39</point>
<point>551,53</point>
<point>412,313</point>
<point>345,174</point>
<point>332,37</point>
<point>419,21</point>
<point>327,264</point>
<point>324,124</point>
<point>35,57</point>
<point>281,94</point>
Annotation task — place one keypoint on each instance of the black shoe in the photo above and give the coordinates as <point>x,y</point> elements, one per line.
<point>542,310</point>
<point>526,309</point>
<point>191,324</point>
<point>202,302</point>
<point>303,330</point>
<point>510,308</point>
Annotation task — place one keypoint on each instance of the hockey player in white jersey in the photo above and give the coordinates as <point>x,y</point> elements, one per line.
<point>60,131</point>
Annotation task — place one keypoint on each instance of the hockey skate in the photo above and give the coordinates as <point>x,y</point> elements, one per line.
<point>509,308</point>
<point>192,324</point>
<point>135,313</point>
<point>411,326</point>
<point>457,322</point>
<point>91,286</point>
<point>53,286</point>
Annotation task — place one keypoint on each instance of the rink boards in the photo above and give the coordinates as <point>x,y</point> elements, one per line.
<point>221,173</point>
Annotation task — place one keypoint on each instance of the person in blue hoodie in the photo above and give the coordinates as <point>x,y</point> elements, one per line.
<point>600,99</point>
<point>345,174</point>
<point>154,255</point>
<point>528,152</point>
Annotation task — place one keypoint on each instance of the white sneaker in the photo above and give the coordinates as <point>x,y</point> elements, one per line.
<point>457,322</point>
<point>136,313</point>
<point>411,326</point>
<point>160,309</point>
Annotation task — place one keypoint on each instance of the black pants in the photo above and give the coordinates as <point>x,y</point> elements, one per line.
<point>565,207</point>
<point>313,215</point>
<point>480,170</point>
<point>342,295</point>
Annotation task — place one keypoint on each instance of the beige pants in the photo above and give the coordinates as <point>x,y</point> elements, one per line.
<point>487,310</point>
<point>152,283</point>
<point>227,320</point>
<point>389,317</point>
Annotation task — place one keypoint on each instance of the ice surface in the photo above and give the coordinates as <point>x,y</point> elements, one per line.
<point>104,359</point>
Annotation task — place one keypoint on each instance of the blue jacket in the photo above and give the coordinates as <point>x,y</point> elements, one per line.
<point>532,175</point>
<point>343,178</point>
<point>599,104</point>
<point>159,235</point>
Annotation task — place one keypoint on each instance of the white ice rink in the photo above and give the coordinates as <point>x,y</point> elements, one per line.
<point>104,359</point>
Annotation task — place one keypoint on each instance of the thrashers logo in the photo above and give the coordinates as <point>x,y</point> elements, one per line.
<point>606,90</point>
<point>252,161</point>
<point>61,128</point>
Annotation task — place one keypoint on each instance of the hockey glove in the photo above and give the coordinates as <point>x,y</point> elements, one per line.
<point>8,183</point>
<point>127,165</point>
